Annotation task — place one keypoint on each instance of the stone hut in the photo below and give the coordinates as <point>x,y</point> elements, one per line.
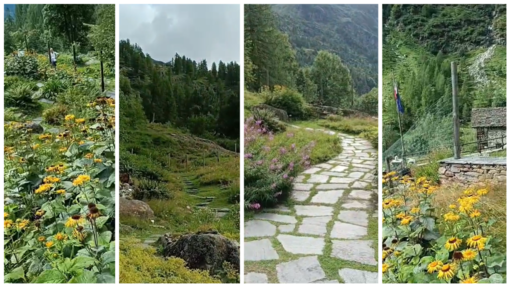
<point>490,125</point>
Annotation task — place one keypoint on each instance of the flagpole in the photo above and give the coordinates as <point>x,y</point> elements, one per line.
<point>399,124</point>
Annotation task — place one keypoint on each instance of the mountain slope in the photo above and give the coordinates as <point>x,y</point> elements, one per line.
<point>349,31</point>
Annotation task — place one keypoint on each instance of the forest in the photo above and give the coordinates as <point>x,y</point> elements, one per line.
<point>59,134</point>
<point>179,135</point>
<point>419,44</point>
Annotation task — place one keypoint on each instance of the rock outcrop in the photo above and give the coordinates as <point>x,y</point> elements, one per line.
<point>135,208</point>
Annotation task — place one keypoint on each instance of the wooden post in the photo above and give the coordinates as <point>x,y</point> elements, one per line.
<point>203,157</point>
<point>456,136</point>
<point>235,147</point>
<point>102,72</point>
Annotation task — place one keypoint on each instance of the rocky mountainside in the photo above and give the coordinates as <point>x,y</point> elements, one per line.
<point>350,31</point>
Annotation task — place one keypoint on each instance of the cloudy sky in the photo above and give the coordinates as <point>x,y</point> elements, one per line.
<point>198,32</point>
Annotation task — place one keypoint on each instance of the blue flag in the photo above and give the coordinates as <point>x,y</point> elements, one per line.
<point>400,106</point>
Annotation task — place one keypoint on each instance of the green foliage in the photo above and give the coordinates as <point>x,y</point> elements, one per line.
<point>55,115</point>
<point>429,170</point>
<point>268,120</point>
<point>25,66</point>
<point>286,99</point>
<point>20,97</point>
<point>148,189</point>
<point>102,35</point>
<point>52,88</point>
<point>368,103</point>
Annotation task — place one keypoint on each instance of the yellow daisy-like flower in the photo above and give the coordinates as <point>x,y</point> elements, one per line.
<point>476,241</point>
<point>41,238</point>
<point>89,155</point>
<point>482,191</point>
<point>80,121</point>
<point>75,220</point>
<point>452,206</point>
<point>60,237</point>
<point>23,224</point>
<point>8,223</point>
<point>385,268</point>
<point>34,147</point>
<point>62,149</point>
<point>469,254</point>
<point>434,266</point>
<point>420,180</point>
<point>51,179</point>
<point>61,191</point>
<point>81,142</point>
<point>415,210</point>
<point>40,212</point>
<point>49,244</point>
<point>69,117</point>
<point>446,272</point>
<point>80,180</point>
<point>475,213</point>
<point>98,160</point>
<point>406,220</point>
<point>43,188</point>
<point>6,214</point>
<point>78,235</point>
<point>453,243</point>
<point>470,280</point>
<point>45,137</point>
<point>400,215</point>
<point>450,216</point>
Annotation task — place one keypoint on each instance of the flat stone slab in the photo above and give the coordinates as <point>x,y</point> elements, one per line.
<point>360,194</point>
<point>287,228</point>
<point>303,270</point>
<point>356,204</point>
<point>253,277</point>
<point>327,197</point>
<point>330,186</point>
<point>318,178</point>
<point>314,225</point>
<point>276,217</point>
<point>278,209</point>
<point>356,175</point>
<point>313,210</point>
<point>357,217</point>
<point>324,166</point>
<point>337,174</point>
<point>476,160</point>
<point>301,245</point>
<point>302,186</point>
<point>360,184</point>
<point>300,196</point>
<point>300,178</point>
<point>348,231</point>
<point>342,180</point>
<point>357,276</point>
<point>339,168</point>
<point>259,250</point>
<point>360,251</point>
<point>312,170</point>
<point>259,228</point>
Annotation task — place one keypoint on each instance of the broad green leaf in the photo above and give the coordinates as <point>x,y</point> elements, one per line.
<point>100,221</point>
<point>496,278</point>
<point>105,278</point>
<point>50,276</point>
<point>86,276</point>
<point>17,273</point>
<point>108,257</point>
<point>104,238</point>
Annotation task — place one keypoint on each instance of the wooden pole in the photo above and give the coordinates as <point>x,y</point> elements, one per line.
<point>102,72</point>
<point>395,88</point>
<point>456,134</point>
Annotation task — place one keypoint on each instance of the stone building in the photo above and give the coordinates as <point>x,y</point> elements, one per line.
<point>490,125</point>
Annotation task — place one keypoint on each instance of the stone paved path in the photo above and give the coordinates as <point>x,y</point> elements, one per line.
<point>326,237</point>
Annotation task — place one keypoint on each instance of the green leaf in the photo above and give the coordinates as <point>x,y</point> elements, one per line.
<point>82,262</point>
<point>105,237</point>
<point>100,221</point>
<point>108,257</point>
<point>496,261</point>
<point>72,150</point>
<point>17,273</point>
<point>86,276</point>
<point>50,276</point>
<point>496,278</point>
<point>105,278</point>
<point>442,255</point>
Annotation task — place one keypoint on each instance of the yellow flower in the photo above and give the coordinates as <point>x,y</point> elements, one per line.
<point>89,155</point>
<point>81,142</point>
<point>62,149</point>
<point>470,280</point>
<point>469,254</point>
<point>75,220</point>
<point>482,191</point>
<point>61,191</point>
<point>45,137</point>
<point>6,214</point>
<point>49,244</point>
<point>453,243</point>
<point>415,210</point>
<point>452,206</point>
<point>406,220</point>
<point>40,212</point>
<point>80,180</point>
<point>60,236</point>
<point>8,223</point>
<point>476,241</point>
<point>450,216</point>
<point>390,174</point>
<point>446,272</point>
<point>421,180</point>
<point>98,160</point>
<point>43,188</point>
<point>385,267</point>
<point>51,179</point>
<point>69,117</point>
<point>434,266</point>
<point>23,224</point>
<point>400,215</point>
<point>394,178</point>
<point>80,121</point>
<point>78,235</point>
<point>34,147</point>
<point>41,238</point>
<point>475,213</point>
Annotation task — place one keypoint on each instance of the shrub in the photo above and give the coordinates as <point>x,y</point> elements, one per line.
<point>372,136</point>
<point>55,115</point>
<point>286,99</point>
<point>270,170</point>
<point>52,88</point>
<point>148,189</point>
<point>268,120</point>
<point>26,66</point>
<point>12,81</point>
<point>21,97</point>
<point>13,115</point>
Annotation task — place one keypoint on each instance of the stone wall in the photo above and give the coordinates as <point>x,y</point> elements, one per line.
<point>475,170</point>
<point>497,137</point>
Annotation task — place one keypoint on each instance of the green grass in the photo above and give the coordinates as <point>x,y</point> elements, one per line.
<point>501,153</point>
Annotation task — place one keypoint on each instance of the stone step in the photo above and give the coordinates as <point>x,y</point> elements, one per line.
<point>202,204</point>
